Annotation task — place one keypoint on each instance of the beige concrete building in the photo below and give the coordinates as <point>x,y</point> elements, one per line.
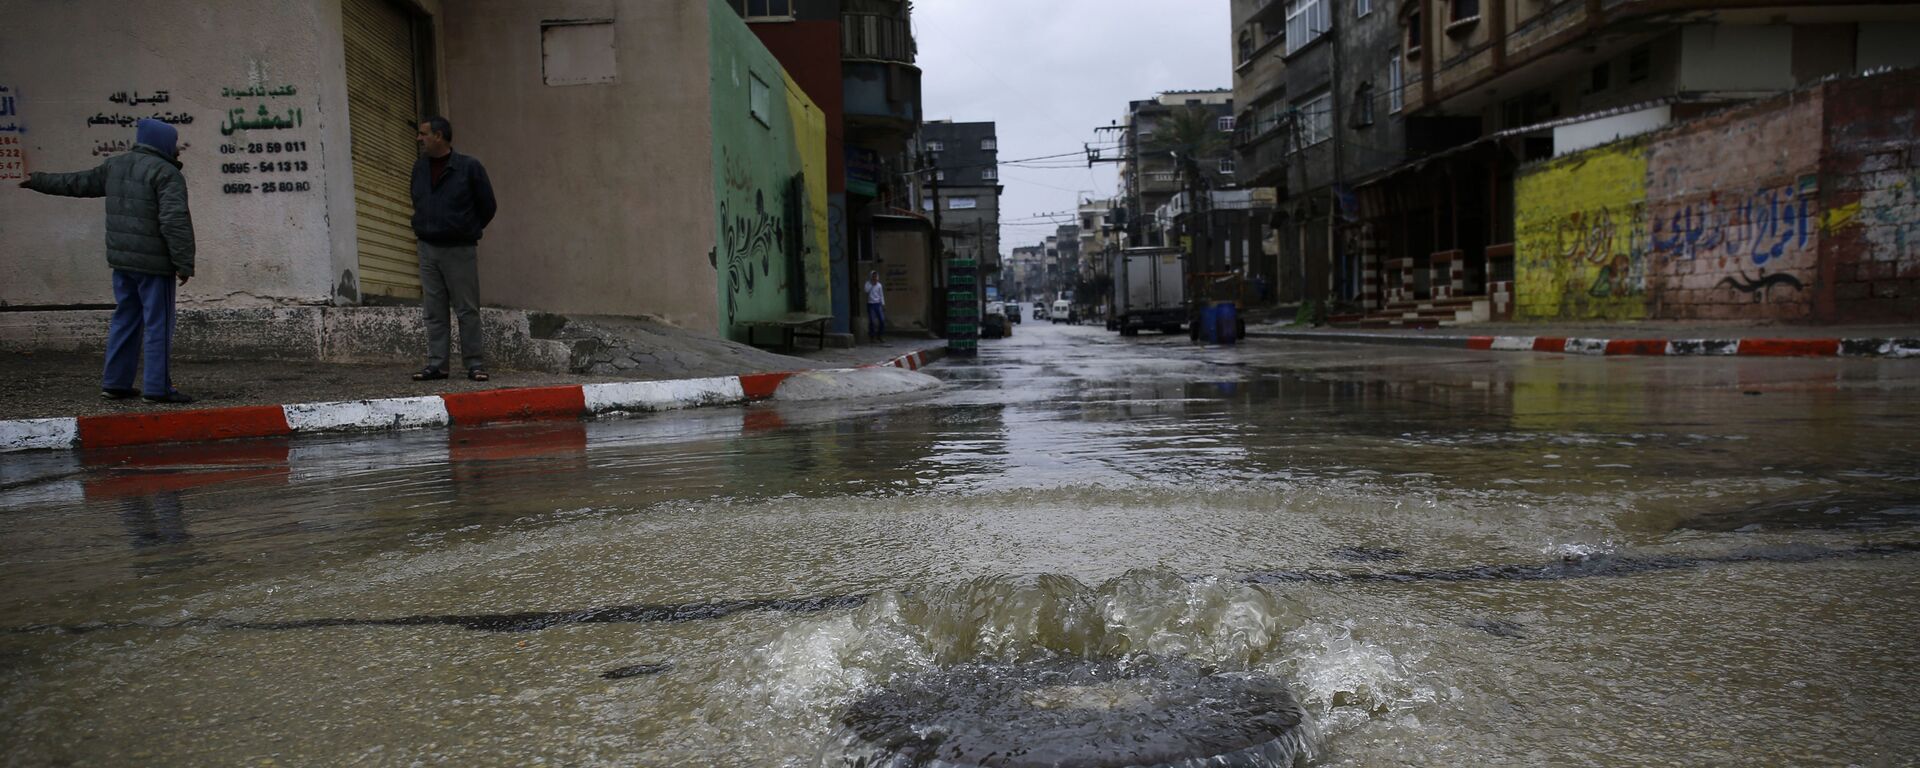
<point>594,118</point>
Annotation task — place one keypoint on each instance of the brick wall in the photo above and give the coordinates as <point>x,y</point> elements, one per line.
<point>1732,206</point>
<point>1580,243</point>
<point>1804,207</point>
<point>1871,184</point>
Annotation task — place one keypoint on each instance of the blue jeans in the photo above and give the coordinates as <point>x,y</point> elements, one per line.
<point>142,327</point>
<point>876,320</point>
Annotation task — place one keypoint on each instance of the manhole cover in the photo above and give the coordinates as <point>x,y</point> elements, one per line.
<point>1075,712</point>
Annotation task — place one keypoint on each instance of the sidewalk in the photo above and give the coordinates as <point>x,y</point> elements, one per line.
<point>1643,337</point>
<point>53,401</point>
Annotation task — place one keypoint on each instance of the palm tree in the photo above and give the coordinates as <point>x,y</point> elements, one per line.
<point>1192,137</point>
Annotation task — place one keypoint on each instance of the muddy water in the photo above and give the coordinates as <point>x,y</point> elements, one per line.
<point>1442,558</point>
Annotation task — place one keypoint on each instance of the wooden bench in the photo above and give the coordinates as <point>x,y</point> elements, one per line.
<point>792,326</point>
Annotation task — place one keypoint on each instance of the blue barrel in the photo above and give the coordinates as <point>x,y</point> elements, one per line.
<point>1225,322</point>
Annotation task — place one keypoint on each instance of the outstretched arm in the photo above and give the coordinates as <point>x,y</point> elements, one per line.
<point>77,184</point>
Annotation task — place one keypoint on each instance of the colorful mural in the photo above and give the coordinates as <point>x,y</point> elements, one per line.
<point>1580,236</point>
<point>769,167</point>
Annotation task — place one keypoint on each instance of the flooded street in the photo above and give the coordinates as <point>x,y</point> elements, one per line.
<point>1421,557</point>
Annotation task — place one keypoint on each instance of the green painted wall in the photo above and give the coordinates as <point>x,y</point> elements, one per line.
<point>769,165</point>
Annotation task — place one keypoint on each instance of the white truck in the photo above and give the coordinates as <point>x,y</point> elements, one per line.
<point>1149,290</point>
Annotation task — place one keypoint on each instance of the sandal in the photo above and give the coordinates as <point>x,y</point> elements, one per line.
<point>478,374</point>
<point>429,373</point>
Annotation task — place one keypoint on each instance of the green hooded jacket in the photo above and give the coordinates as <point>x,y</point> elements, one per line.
<point>148,227</point>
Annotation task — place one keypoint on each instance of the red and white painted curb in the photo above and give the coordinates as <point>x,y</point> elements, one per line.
<point>574,401</point>
<point>1831,347</point>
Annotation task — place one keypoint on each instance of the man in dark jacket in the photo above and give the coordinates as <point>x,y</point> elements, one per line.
<point>149,246</point>
<point>452,203</point>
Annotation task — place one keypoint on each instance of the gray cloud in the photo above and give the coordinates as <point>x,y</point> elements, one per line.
<point>1050,71</point>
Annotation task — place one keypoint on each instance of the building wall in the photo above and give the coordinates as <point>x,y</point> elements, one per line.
<point>809,48</point>
<point>810,143</point>
<point>1580,244</point>
<point>1870,252</point>
<point>1732,230</point>
<point>605,188</point>
<point>755,161</point>
<point>1799,207</point>
<point>62,64</point>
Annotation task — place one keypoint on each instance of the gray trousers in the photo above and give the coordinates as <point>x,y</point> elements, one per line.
<point>450,277</point>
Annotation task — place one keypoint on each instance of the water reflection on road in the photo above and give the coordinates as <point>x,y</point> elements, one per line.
<point>1281,510</point>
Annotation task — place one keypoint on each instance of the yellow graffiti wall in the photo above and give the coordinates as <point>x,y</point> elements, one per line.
<point>1580,236</point>
<point>810,144</point>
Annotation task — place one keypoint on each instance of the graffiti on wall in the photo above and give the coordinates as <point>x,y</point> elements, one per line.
<point>1614,246</point>
<point>1581,245</point>
<point>752,232</point>
<point>13,154</point>
<point>264,164</point>
<point>1763,226</point>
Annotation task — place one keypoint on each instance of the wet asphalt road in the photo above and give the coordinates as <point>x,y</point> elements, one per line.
<point>1448,556</point>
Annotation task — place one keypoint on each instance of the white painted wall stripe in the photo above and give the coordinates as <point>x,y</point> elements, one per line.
<point>363,415</point>
<point>663,395</point>
<point>38,434</point>
<point>1513,343</point>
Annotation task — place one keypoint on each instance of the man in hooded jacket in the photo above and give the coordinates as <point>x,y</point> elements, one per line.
<point>149,247</point>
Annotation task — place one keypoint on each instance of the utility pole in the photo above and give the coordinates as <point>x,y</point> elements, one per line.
<point>1339,277</point>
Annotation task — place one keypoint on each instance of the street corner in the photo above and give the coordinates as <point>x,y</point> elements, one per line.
<point>853,383</point>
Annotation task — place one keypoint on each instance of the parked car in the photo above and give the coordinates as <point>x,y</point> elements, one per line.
<point>1014,310</point>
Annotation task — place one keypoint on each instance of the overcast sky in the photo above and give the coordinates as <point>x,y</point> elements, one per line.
<point>1050,71</point>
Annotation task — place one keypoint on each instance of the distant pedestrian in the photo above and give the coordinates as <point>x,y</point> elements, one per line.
<point>452,204</point>
<point>149,247</point>
<point>876,307</point>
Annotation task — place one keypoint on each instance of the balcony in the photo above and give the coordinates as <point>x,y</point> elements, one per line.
<point>882,101</point>
<point>874,37</point>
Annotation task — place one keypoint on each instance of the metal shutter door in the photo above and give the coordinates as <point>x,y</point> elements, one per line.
<point>382,98</point>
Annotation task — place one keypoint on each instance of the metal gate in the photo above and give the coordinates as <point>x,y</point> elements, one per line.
<point>383,97</point>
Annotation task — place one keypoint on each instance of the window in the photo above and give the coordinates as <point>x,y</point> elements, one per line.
<point>759,100</point>
<point>990,174</point>
<point>1466,9</point>
<point>988,144</point>
<point>1226,165</point>
<point>1363,105</point>
<point>1396,98</point>
<point>1413,33</point>
<point>1316,119</point>
<point>764,9</point>
<point>1639,64</point>
<point>962,203</point>
<point>939,175</point>
<point>935,146</point>
<point>1361,8</point>
<point>1226,124</point>
<point>1597,81</point>
<point>926,204</point>
<point>1246,45</point>
<point>1306,20</point>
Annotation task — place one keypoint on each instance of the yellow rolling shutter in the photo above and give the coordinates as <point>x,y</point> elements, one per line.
<point>382,99</point>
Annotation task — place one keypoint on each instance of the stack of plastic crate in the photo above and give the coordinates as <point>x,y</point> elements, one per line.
<point>963,307</point>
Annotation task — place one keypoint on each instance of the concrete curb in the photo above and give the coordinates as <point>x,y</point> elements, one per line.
<point>1895,348</point>
<point>573,401</point>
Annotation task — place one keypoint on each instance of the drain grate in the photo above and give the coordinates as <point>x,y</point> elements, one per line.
<point>1076,712</point>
